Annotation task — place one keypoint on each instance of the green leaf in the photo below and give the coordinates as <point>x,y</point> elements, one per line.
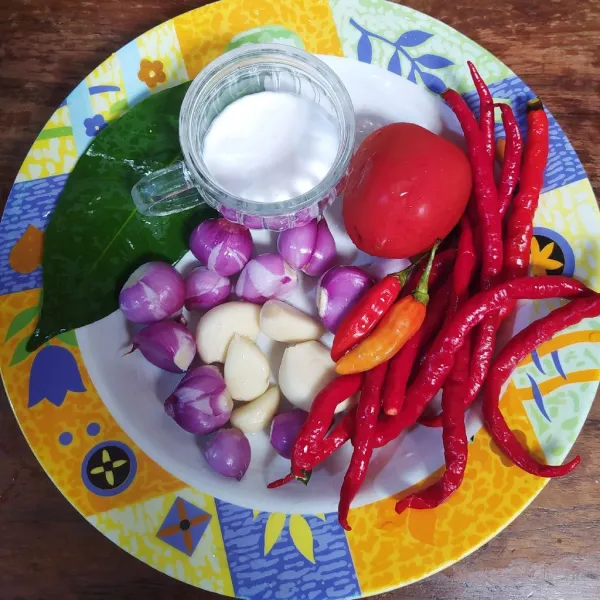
<point>21,321</point>
<point>68,337</point>
<point>20,353</point>
<point>95,237</point>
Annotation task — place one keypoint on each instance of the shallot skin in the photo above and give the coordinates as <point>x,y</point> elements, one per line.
<point>310,248</point>
<point>324,254</point>
<point>297,245</point>
<point>222,246</point>
<point>167,345</point>
<point>264,277</point>
<point>205,289</point>
<point>228,453</point>
<point>200,404</point>
<point>153,292</point>
<point>338,290</point>
<point>284,430</point>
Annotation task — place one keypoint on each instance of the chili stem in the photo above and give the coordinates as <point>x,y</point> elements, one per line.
<point>421,294</point>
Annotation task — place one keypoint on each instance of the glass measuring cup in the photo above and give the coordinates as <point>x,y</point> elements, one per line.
<point>249,70</point>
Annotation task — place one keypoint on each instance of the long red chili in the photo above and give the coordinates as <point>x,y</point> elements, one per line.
<point>442,263</point>
<point>486,111</point>
<point>441,354</point>
<point>512,354</point>
<point>316,425</point>
<point>366,314</point>
<point>519,229</point>
<point>513,151</point>
<point>486,336</point>
<point>490,221</point>
<point>367,412</point>
<point>484,189</point>
<point>454,437</point>
<point>464,268</point>
<point>440,358</point>
<point>461,280</point>
<point>485,342</point>
<point>401,365</point>
<point>454,434</point>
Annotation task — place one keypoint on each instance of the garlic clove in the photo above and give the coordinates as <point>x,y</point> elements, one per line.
<point>217,327</point>
<point>257,414</point>
<point>246,371</point>
<point>284,323</point>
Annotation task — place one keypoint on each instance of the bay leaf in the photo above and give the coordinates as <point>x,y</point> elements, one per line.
<point>96,237</point>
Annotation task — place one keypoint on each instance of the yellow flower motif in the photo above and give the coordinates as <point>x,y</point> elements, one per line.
<point>151,72</point>
<point>540,259</point>
<point>108,467</point>
<point>300,533</point>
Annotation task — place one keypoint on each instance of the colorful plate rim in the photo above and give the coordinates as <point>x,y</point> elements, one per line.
<point>217,545</point>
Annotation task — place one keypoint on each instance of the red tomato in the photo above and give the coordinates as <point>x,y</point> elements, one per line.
<point>406,187</point>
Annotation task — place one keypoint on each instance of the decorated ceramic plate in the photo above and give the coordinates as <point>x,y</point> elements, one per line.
<point>95,420</point>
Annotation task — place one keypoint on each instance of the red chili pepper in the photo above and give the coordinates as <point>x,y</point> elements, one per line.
<point>454,434</point>
<point>491,235</point>
<point>484,189</point>
<point>432,376</point>
<point>395,329</point>
<point>514,352</point>
<point>316,425</point>
<point>367,412</point>
<point>370,309</point>
<point>440,269</point>
<point>401,365</point>
<point>521,220</point>
<point>454,437</point>
<point>485,341</point>
<point>461,280</point>
<point>440,358</point>
<point>519,229</point>
<point>511,167</point>
<point>486,337</point>
<point>279,482</point>
<point>486,111</point>
<point>465,266</point>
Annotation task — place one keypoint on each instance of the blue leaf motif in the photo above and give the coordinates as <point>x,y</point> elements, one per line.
<point>432,61</point>
<point>535,357</point>
<point>413,38</point>
<point>394,65</point>
<point>539,399</point>
<point>364,50</point>
<point>54,372</point>
<point>557,364</point>
<point>412,76</point>
<point>434,83</point>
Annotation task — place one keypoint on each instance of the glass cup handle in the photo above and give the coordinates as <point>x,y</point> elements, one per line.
<point>170,190</point>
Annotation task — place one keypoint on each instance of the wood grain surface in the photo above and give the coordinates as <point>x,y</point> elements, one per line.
<point>47,551</point>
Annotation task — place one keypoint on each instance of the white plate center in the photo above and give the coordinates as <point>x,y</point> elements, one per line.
<point>134,391</point>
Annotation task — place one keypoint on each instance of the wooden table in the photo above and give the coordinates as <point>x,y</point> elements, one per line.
<point>552,551</point>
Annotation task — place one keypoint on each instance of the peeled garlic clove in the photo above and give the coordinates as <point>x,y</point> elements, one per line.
<point>218,326</point>
<point>246,369</point>
<point>256,415</point>
<point>284,323</point>
<point>305,369</point>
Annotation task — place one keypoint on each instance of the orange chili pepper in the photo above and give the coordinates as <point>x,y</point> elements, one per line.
<point>398,325</point>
